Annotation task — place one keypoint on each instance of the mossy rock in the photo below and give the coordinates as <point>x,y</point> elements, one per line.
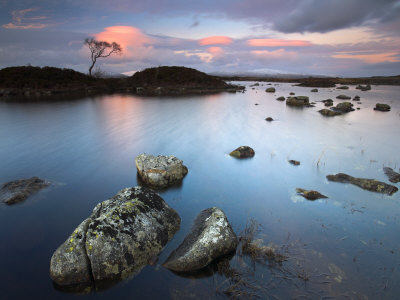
<point>382,107</point>
<point>242,152</point>
<point>270,90</point>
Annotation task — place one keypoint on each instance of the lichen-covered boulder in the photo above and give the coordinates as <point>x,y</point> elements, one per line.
<point>118,239</point>
<point>18,190</point>
<point>364,183</point>
<point>160,171</point>
<point>382,107</point>
<point>242,152</point>
<point>329,113</point>
<point>310,194</point>
<point>298,101</point>
<point>211,237</point>
<point>270,90</point>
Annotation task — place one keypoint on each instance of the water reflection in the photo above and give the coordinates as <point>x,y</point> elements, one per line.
<point>89,146</point>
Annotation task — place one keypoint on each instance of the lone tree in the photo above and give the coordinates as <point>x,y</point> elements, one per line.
<point>101,49</point>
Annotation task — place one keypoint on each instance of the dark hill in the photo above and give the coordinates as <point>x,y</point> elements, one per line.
<point>39,78</point>
<point>167,77</point>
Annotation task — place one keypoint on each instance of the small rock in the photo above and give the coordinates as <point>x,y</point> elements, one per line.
<point>281,98</point>
<point>392,175</point>
<point>256,104</point>
<point>314,90</point>
<point>294,162</point>
<point>270,90</point>
<point>291,93</point>
<point>329,113</point>
<point>310,194</point>
<point>269,119</point>
<point>344,107</point>
<point>298,101</point>
<point>343,87</point>
<point>242,152</point>
<point>343,97</point>
<point>160,171</point>
<point>363,87</point>
<point>211,237</point>
<point>18,190</point>
<point>364,183</point>
<point>382,107</point>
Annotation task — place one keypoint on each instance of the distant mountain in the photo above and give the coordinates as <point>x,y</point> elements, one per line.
<point>260,74</point>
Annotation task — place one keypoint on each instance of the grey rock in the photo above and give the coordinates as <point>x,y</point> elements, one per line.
<point>364,183</point>
<point>160,171</point>
<point>18,190</point>
<point>211,237</point>
<point>119,238</point>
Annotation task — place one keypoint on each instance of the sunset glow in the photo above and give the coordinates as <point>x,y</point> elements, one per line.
<point>277,43</point>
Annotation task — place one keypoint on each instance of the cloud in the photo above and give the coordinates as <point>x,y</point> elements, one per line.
<point>371,58</point>
<point>215,40</point>
<point>273,55</point>
<point>21,21</point>
<point>277,43</point>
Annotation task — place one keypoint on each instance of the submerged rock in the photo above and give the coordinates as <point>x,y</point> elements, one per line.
<point>242,152</point>
<point>118,239</point>
<point>310,194</point>
<point>329,113</point>
<point>294,162</point>
<point>18,190</point>
<point>364,183</point>
<point>270,90</point>
<point>343,97</point>
<point>382,107</point>
<point>298,101</point>
<point>210,237</point>
<point>281,98</point>
<point>344,107</point>
<point>392,175</point>
<point>160,171</point>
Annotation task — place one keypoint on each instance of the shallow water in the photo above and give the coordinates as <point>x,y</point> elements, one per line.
<point>347,245</point>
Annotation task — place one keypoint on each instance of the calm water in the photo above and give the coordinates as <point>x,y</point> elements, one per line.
<point>348,245</point>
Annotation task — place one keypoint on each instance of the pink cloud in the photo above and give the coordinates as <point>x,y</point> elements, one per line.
<point>215,40</point>
<point>215,51</point>
<point>371,58</point>
<point>21,21</point>
<point>277,43</point>
<point>132,40</point>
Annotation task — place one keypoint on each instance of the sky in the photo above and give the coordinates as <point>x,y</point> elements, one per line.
<point>314,37</point>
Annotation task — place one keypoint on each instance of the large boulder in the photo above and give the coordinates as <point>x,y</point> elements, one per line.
<point>18,190</point>
<point>211,237</point>
<point>117,240</point>
<point>364,183</point>
<point>242,152</point>
<point>160,171</point>
<point>382,107</point>
<point>298,101</point>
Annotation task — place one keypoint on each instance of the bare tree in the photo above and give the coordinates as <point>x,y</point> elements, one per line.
<point>101,49</point>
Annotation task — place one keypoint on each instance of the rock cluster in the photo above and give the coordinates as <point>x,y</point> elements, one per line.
<point>18,190</point>
<point>116,240</point>
<point>392,175</point>
<point>160,171</point>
